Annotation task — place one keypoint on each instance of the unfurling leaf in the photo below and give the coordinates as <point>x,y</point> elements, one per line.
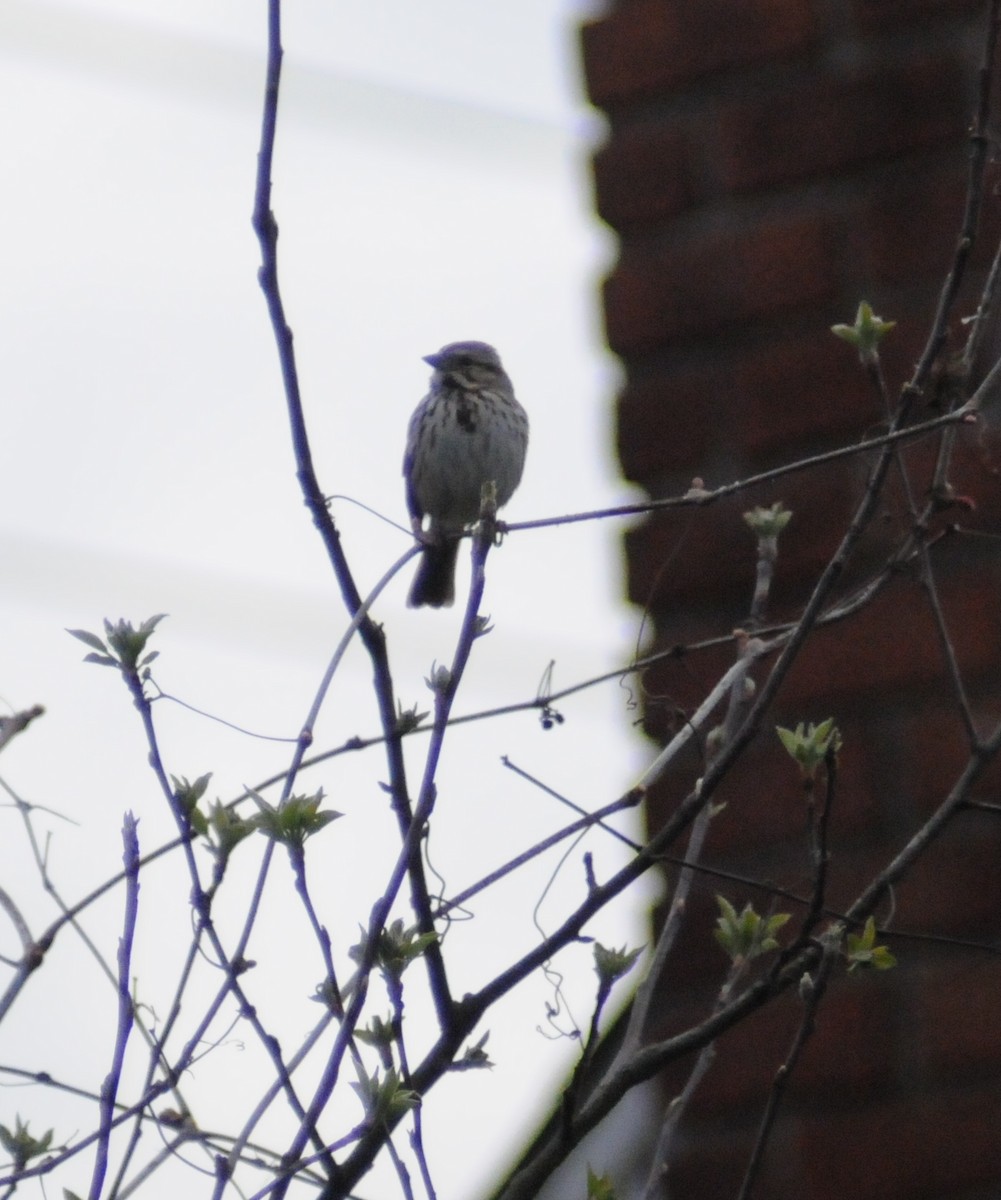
<point>809,745</point>
<point>613,964</point>
<point>124,646</point>
<point>292,822</point>
<point>385,1099</point>
<point>20,1144</point>
<point>746,934</point>
<point>866,334</point>
<point>768,522</point>
<point>599,1187</point>
<point>474,1058</point>
<point>396,948</point>
<point>863,952</point>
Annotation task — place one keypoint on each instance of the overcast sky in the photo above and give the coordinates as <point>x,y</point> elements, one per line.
<point>431,184</point>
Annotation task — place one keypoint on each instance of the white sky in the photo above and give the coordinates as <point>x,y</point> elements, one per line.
<point>431,184</point>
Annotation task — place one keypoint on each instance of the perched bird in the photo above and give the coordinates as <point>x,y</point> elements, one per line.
<point>468,430</point>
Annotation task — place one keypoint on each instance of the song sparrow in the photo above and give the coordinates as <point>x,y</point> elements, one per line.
<point>467,431</point>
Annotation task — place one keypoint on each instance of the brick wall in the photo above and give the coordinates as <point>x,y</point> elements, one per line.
<point>769,163</point>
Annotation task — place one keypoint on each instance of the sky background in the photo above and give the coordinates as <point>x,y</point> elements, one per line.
<point>431,184</point>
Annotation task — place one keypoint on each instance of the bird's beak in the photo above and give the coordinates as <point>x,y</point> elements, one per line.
<point>433,360</point>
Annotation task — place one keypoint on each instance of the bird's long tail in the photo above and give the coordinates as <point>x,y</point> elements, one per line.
<point>434,583</point>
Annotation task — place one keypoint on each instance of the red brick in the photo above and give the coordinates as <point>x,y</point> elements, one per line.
<point>712,1162</point>
<point>904,783</point>
<point>973,477</point>
<point>658,46</point>
<point>682,558</point>
<point>731,368</point>
<point>717,280</point>
<point>854,1046</point>
<point>696,969</point>
<point>892,644</point>
<point>954,888</point>
<point>700,563</point>
<point>675,686</point>
<point>899,761</point>
<point>829,124</point>
<point>910,1148</point>
<point>848,1060</point>
<point>675,421</point>
<point>887,14</point>
<point>643,175</point>
<point>960,1001</point>
<point>668,422</point>
<point>746,1057</point>
<point>833,396</point>
<point>923,780</point>
<point>765,793</point>
<point>909,229</point>
<point>678,557</point>
<point>906,1148</point>
<point>976,474</point>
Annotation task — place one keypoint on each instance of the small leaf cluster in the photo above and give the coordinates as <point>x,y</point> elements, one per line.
<point>385,1100</point>
<point>125,647</point>
<point>293,821</point>
<point>227,829</point>
<point>440,679</point>
<point>862,950</point>
<point>866,334</point>
<point>20,1144</point>
<point>397,946</point>
<point>379,1033</point>
<point>475,1058</point>
<point>187,793</point>
<point>329,995</point>
<point>746,934</point>
<point>408,719</point>
<point>599,1187</point>
<point>810,744</point>
<point>613,964</point>
<point>768,522</point>
<point>222,826</point>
